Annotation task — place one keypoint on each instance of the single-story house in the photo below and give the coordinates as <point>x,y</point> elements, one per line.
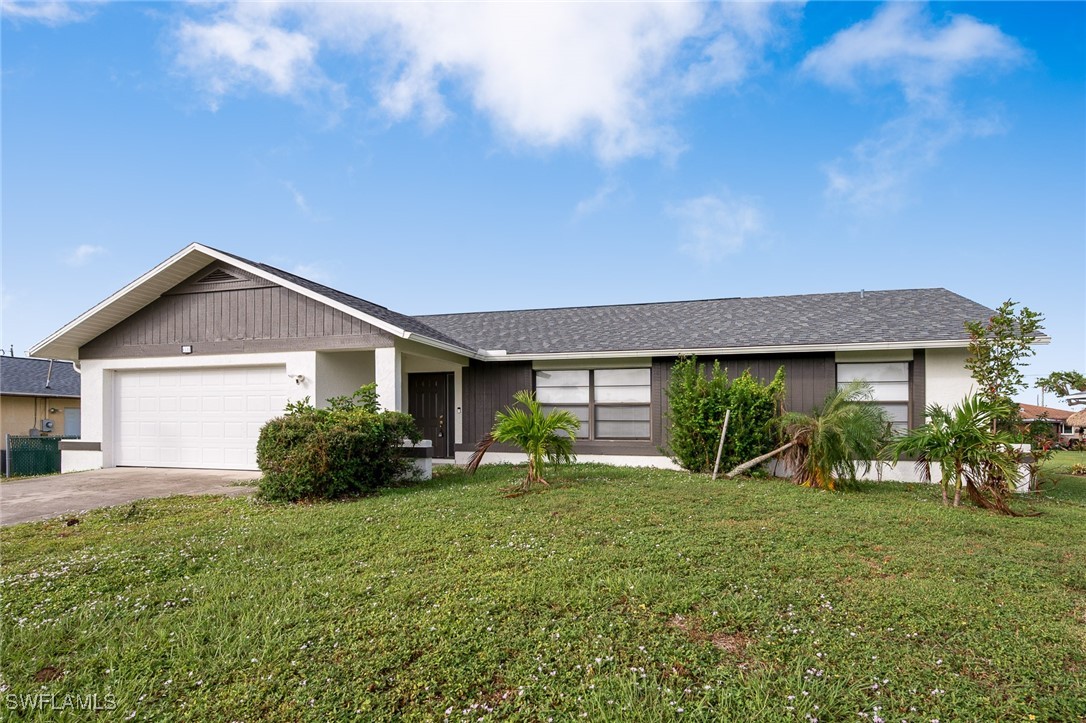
<point>38,397</point>
<point>1030,413</point>
<point>182,367</point>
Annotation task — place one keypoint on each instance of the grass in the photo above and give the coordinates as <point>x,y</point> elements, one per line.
<point>1060,484</point>
<point>616,594</point>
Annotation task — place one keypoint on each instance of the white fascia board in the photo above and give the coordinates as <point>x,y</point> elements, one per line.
<point>280,281</point>
<point>349,310</point>
<point>419,338</point>
<point>778,349</point>
<point>104,306</point>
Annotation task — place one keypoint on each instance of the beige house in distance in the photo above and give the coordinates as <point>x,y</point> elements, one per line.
<point>40,395</point>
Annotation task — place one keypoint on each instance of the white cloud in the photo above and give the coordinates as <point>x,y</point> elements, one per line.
<point>715,226</point>
<point>603,196</point>
<point>544,74</point>
<point>82,254</point>
<point>299,200</point>
<point>901,47</point>
<point>46,12</point>
<point>901,44</point>
<point>245,48</point>
<point>313,272</point>
<point>876,173</point>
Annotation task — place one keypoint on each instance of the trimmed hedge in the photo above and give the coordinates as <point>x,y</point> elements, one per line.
<point>346,449</point>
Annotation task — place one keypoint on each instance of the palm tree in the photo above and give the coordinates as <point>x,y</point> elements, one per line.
<point>537,433</point>
<point>962,442</point>
<point>828,444</point>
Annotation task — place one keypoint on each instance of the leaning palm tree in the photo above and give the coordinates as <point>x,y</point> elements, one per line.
<point>541,435</point>
<point>962,442</point>
<point>828,444</point>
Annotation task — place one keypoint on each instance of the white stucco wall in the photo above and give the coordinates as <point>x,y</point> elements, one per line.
<point>79,460</point>
<point>388,373</point>
<point>946,379</point>
<point>341,373</point>
<point>97,384</point>
<point>618,460</point>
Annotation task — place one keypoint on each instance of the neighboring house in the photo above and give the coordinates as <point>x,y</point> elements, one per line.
<point>1056,417</point>
<point>38,397</point>
<point>183,366</point>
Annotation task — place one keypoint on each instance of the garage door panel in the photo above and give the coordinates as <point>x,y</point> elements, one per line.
<point>207,418</point>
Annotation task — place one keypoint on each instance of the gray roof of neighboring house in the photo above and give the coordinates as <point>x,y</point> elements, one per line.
<point>26,377</point>
<point>407,323</point>
<point>873,317</point>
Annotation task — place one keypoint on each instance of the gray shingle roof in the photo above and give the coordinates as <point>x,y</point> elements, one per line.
<point>911,315</point>
<point>402,321</point>
<point>25,376</point>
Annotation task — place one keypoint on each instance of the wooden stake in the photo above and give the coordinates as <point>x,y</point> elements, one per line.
<point>720,447</point>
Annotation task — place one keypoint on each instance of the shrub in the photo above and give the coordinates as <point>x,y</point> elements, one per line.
<point>697,404</point>
<point>346,449</point>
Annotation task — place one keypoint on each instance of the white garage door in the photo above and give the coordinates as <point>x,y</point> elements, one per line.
<point>199,418</point>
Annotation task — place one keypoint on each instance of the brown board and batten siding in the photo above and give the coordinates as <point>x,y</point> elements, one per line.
<point>918,389</point>
<point>808,378</point>
<point>489,388</point>
<point>240,314</point>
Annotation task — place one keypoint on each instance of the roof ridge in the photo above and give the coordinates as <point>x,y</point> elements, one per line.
<point>687,301</point>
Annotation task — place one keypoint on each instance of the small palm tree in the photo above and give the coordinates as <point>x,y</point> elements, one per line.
<point>829,443</point>
<point>962,442</point>
<point>539,434</point>
<point>844,431</point>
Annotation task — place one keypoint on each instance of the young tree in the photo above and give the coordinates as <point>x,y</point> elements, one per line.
<point>998,350</point>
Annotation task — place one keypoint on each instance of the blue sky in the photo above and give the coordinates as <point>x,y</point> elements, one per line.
<point>471,157</point>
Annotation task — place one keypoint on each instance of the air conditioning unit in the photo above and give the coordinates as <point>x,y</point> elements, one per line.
<point>47,425</point>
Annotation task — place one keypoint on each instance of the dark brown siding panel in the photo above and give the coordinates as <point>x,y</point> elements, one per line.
<point>661,373</point>
<point>233,320</point>
<point>808,378</point>
<point>918,391</point>
<point>488,388</point>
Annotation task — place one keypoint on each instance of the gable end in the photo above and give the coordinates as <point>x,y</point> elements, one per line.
<point>222,310</point>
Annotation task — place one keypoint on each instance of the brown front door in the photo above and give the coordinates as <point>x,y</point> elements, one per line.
<point>429,401</point>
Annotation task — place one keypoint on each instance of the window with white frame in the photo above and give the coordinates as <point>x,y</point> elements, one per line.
<point>889,383</point>
<point>611,403</point>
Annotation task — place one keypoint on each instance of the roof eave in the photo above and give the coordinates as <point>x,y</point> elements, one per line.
<point>46,394</point>
<point>445,346</point>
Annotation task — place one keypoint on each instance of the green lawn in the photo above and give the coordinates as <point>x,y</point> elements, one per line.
<point>614,595</point>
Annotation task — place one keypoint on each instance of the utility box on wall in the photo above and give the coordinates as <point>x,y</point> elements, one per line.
<point>46,425</point>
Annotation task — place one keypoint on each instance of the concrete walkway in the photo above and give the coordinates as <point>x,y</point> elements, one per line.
<point>39,498</point>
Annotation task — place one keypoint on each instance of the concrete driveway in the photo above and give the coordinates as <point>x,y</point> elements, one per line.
<point>39,498</point>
